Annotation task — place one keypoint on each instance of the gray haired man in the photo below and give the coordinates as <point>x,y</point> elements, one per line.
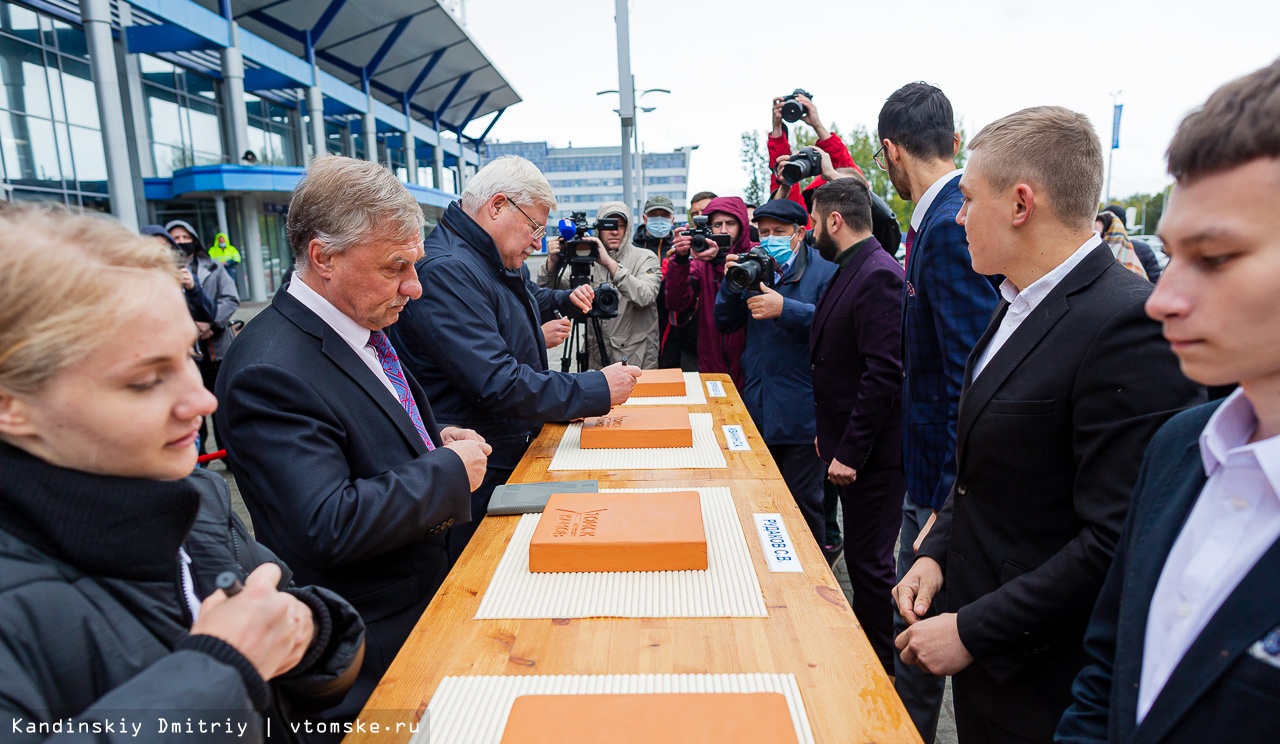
<point>336,452</point>
<point>474,339</point>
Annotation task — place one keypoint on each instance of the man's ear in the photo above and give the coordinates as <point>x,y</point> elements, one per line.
<point>15,417</point>
<point>955,145</point>
<point>1024,204</point>
<point>893,152</point>
<point>496,205</point>
<point>320,261</point>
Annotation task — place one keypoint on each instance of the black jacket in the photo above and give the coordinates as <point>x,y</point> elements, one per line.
<point>93,617</point>
<point>336,476</point>
<point>1048,443</point>
<point>1220,690</point>
<point>474,341</point>
<point>855,350</point>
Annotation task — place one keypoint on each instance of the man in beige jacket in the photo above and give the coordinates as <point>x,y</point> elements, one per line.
<point>635,272</point>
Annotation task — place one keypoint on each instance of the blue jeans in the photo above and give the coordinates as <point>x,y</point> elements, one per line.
<point>920,691</point>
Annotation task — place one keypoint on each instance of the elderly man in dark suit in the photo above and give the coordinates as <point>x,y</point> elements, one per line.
<point>335,451</point>
<point>856,355</point>
<point>1184,643</point>
<point>1062,394</point>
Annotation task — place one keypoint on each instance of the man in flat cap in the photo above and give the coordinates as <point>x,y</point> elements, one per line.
<point>777,311</point>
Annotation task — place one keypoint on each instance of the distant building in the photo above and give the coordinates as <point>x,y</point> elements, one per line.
<point>583,178</point>
<point>208,111</point>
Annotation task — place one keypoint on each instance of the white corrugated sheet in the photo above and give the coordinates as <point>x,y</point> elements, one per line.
<point>705,452</point>
<point>728,588</point>
<point>474,710</point>
<point>694,395</point>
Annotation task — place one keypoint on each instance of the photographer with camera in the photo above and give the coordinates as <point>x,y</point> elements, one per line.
<point>771,292</point>
<point>631,332</point>
<point>694,273</point>
<point>799,107</point>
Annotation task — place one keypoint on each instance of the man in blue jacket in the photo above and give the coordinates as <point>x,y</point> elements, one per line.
<point>775,362</point>
<point>474,341</point>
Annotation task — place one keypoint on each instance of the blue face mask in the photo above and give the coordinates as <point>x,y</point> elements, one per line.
<point>659,227</point>
<point>778,246</point>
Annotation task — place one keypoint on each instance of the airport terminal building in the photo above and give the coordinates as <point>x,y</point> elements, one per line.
<point>208,110</point>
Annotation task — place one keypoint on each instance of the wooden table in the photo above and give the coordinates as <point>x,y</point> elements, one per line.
<point>811,632</point>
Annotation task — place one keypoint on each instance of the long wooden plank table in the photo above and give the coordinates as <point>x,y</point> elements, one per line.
<point>811,632</point>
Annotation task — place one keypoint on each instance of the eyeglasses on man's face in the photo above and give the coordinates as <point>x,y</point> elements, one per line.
<point>880,159</point>
<point>539,231</point>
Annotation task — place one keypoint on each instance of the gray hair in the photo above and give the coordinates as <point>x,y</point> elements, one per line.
<point>343,201</point>
<point>510,175</point>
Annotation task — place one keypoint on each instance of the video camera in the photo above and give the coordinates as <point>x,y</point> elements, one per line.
<point>574,229</point>
<point>793,110</point>
<point>807,162</point>
<point>700,236</point>
<point>755,267</point>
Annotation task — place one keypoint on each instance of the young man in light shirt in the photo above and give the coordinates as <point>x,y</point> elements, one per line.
<point>1184,643</point>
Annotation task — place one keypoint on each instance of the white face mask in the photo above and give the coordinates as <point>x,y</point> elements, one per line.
<point>659,227</point>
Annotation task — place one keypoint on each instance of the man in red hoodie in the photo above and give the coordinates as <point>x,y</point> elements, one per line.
<point>780,145</point>
<point>693,279</point>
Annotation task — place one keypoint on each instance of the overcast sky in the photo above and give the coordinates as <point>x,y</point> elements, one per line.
<point>725,60</point>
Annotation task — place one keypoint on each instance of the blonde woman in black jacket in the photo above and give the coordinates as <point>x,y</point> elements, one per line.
<point>113,624</point>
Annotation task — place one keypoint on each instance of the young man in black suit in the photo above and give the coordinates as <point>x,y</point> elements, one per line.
<point>334,448</point>
<point>1184,644</point>
<point>1062,394</point>
<point>856,354</point>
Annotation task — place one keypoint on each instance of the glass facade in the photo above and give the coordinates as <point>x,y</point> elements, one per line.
<point>50,136</point>
<point>51,141</point>
<point>271,131</point>
<point>182,116</point>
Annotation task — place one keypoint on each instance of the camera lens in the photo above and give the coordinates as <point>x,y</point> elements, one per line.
<point>792,112</point>
<point>742,276</point>
<point>795,171</point>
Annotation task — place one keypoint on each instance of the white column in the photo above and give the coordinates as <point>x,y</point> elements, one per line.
<point>96,15</point>
<point>238,118</point>
<point>315,109</point>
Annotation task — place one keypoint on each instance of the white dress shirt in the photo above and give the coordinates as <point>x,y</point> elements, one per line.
<point>926,200</point>
<point>356,335</point>
<point>1021,303</point>
<point>1234,521</point>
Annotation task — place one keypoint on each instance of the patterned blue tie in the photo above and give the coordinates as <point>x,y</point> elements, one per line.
<point>391,365</point>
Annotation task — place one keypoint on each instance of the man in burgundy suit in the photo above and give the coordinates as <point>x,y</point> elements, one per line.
<point>856,353</point>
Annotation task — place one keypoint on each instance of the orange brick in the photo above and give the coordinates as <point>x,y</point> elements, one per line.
<point>738,717</point>
<point>660,382</point>
<point>647,428</point>
<point>594,532</point>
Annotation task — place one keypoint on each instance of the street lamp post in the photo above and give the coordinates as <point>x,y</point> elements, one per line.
<point>632,165</point>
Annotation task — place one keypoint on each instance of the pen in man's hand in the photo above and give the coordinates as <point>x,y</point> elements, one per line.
<point>229,583</point>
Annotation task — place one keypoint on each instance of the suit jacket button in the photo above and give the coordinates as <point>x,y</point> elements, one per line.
<point>448,522</point>
<point>962,489</point>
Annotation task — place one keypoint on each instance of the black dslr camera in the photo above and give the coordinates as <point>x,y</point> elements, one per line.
<point>807,162</point>
<point>754,268</point>
<point>793,110</point>
<point>573,230</point>
<point>605,304</point>
<point>700,236</point>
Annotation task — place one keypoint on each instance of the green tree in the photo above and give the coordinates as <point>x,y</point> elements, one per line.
<point>1149,207</point>
<point>756,164</point>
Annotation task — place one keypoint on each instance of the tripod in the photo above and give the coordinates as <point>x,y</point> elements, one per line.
<point>579,344</point>
<point>584,330</point>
